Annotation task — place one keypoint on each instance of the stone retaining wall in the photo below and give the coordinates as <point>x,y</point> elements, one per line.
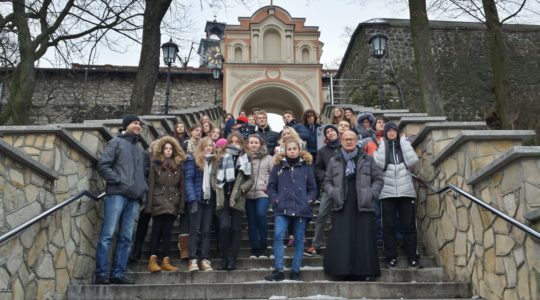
<point>499,260</point>
<point>40,166</point>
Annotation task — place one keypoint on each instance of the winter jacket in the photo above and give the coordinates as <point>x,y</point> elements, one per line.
<point>242,185</point>
<point>311,142</point>
<point>193,180</point>
<point>300,129</point>
<point>369,181</point>
<point>396,165</point>
<point>269,136</point>
<point>292,187</point>
<point>261,167</point>
<point>166,188</point>
<point>124,166</point>
<point>322,159</point>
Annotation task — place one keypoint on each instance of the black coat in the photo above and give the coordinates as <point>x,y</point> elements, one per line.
<point>270,138</point>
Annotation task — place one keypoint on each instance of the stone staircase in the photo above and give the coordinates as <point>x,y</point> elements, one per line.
<point>247,282</point>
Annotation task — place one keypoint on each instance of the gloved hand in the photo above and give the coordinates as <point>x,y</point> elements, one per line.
<point>193,207</point>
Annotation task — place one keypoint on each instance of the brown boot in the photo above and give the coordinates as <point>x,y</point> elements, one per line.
<point>183,242</point>
<point>153,265</point>
<point>166,265</point>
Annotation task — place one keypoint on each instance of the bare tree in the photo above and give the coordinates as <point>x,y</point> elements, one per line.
<point>67,27</point>
<point>423,60</point>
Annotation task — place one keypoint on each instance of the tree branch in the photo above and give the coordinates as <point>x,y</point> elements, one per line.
<point>515,13</point>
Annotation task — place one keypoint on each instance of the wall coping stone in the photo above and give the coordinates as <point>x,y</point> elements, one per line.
<point>360,108</point>
<point>467,135</point>
<point>24,159</point>
<point>163,120</point>
<point>118,123</point>
<point>411,120</point>
<point>533,216</point>
<point>104,131</point>
<point>404,114</point>
<point>54,129</point>
<point>505,159</point>
<point>445,125</point>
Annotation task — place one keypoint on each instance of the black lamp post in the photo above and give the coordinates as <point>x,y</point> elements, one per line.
<point>169,55</point>
<point>378,45</point>
<point>216,72</point>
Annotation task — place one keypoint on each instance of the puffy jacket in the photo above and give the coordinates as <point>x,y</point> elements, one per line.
<point>242,184</point>
<point>300,129</point>
<point>396,164</point>
<point>269,136</point>
<point>311,142</point>
<point>369,181</point>
<point>292,187</point>
<point>193,180</point>
<point>324,154</point>
<point>261,168</point>
<point>124,166</point>
<point>165,195</point>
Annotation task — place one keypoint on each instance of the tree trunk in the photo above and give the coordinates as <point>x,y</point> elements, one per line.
<point>142,94</point>
<point>423,61</point>
<point>498,63</point>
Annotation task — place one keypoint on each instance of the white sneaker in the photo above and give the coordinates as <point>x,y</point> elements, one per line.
<point>192,265</point>
<point>206,265</point>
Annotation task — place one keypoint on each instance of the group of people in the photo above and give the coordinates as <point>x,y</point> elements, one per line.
<point>210,175</point>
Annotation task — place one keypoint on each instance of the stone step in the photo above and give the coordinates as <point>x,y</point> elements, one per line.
<point>246,252</point>
<point>266,263</point>
<point>262,289</point>
<point>308,274</point>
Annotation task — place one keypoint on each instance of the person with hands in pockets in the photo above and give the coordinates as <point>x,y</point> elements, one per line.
<point>291,189</point>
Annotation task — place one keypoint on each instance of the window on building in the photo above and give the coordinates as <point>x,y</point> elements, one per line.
<point>305,55</point>
<point>238,54</point>
<point>272,45</point>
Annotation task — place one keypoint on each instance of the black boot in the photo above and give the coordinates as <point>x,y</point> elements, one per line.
<point>231,265</point>
<point>136,252</point>
<point>224,264</point>
<point>275,276</point>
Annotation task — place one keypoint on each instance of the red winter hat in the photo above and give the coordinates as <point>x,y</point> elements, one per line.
<point>242,119</point>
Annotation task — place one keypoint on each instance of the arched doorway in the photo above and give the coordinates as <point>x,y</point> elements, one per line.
<point>273,99</point>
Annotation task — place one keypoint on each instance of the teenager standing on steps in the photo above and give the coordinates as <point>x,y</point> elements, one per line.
<point>165,199</point>
<point>257,200</point>
<point>291,189</point>
<point>396,157</point>
<point>124,166</point>
<point>201,202</point>
<point>231,180</point>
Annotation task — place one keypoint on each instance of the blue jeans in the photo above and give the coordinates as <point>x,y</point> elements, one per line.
<point>256,210</point>
<point>119,210</point>
<point>280,228</point>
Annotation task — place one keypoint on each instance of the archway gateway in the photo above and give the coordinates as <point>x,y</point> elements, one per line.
<point>272,62</point>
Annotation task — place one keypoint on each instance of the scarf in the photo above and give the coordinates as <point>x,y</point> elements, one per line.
<point>333,144</point>
<point>350,168</point>
<point>206,176</point>
<point>292,161</point>
<point>226,166</point>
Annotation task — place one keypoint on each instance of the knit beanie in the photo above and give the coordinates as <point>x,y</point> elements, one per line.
<point>221,143</point>
<point>330,126</point>
<point>128,119</point>
<point>388,126</point>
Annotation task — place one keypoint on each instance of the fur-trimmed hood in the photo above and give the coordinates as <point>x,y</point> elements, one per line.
<point>160,143</point>
<point>278,158</point>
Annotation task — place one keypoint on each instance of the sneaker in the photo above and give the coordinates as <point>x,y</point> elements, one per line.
<point>275,276</point>
<point>290,243</point>
<point>206,265</point>
<point>414,264</point>
<point>295,276</point>
<point>391,264</point>
<point>253,256</point>
<point>101,280</point>
<point>121,280</point>
<point>311,252</point>
<point>192,265</point>
<point>265,254</point>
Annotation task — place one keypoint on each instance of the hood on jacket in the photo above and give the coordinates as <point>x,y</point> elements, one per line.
<point>388,126</point>
<point>367,115</point>
<point>278,158</point>
<point>160,143</point>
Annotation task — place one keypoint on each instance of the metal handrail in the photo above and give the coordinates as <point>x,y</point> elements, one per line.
<point>480,202</point>
<point>13,232</point>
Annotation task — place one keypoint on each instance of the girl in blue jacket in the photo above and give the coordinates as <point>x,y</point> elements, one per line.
<point>291,189</point>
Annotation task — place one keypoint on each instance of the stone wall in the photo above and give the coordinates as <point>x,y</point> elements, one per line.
<point>41,166</point>
<point>498,259</point>
<point>103,92</point>
<point>462,65</point>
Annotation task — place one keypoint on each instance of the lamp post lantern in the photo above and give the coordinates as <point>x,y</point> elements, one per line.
<point>216,72</point>
<point>170,50</point>
<point>378,46</point>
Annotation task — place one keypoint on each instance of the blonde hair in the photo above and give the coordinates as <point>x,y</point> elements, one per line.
<point>294,135</point>
<point>198,154</point>
<point>335,120</point>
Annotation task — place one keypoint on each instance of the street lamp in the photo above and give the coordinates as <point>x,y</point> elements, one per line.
<point>378,46</point>
<point>169,55</point>
<point>216,72</point>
